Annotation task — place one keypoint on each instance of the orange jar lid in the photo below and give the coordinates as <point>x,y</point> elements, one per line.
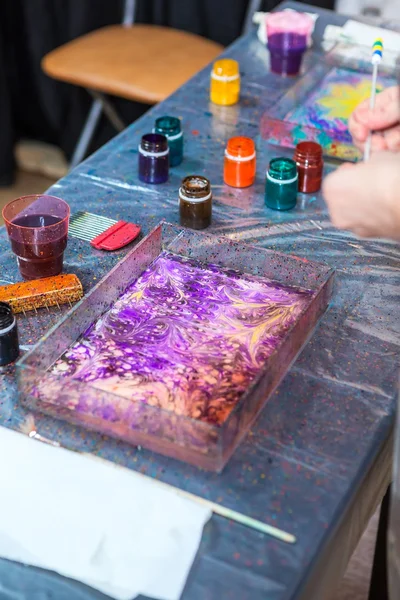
<point>240,149</point>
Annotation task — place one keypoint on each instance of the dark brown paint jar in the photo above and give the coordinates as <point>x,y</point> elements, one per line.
<point>195,202</point>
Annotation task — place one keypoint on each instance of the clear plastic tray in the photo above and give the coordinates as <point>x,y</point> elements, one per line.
<point>199,439</point>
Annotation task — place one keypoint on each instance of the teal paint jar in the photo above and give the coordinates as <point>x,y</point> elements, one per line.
<point>281,185</point>
<point>171,128</point>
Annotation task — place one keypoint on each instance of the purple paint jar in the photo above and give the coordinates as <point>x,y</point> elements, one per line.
<point>288,34</point>
<point>153,158</point>
<point>286,50</point>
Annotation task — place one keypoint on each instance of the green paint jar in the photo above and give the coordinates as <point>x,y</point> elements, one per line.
<point>281,184</point>
<point>171,128</point>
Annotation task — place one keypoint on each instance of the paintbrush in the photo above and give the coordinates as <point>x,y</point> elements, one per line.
<point>377,50</point>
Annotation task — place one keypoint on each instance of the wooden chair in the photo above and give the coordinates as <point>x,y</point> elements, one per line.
<point>145,63</point>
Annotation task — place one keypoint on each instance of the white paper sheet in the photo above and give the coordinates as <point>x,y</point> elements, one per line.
<point>362,36</point>
<point>95,522</point>
<point>366,35</point>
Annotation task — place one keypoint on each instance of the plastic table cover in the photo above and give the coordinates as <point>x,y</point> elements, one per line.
<point>304,465</point>
<point>394,526</point>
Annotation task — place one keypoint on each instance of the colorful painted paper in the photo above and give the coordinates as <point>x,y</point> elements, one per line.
<point>317,109</point>
<point>185,338</point>
<point>330,105</point>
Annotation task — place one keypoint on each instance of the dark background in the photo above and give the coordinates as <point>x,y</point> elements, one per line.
<point>37,107</point>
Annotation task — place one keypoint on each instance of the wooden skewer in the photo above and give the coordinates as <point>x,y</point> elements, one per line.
<point>28,427</point>
<point>218,509</point>
<point>377,50</point>
<point>367,149</point>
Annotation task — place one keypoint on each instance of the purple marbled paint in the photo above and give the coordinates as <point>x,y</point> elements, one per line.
<point>184,337</point>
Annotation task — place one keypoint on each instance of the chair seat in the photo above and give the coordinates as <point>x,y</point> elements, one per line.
<point>143,62</point>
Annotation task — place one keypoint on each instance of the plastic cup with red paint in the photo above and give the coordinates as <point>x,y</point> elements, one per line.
<point>37,227</point>
<point>288,33</point>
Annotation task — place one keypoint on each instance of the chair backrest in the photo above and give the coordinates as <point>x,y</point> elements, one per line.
<point>129,13</point>
<point>130,8</point>
<point>253,6</point>
<point>394,525</point>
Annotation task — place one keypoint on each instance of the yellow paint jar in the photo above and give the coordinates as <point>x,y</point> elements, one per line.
<point>225,82</point>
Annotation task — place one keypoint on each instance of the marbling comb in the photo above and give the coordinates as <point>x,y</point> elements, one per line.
<point>42,293</point>
<point>102,233</point>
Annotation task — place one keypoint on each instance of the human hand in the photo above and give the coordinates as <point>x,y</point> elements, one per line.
<point>383,121</point>
<point>365,198</point>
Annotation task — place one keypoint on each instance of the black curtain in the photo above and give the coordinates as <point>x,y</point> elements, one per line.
<point>34,106</point>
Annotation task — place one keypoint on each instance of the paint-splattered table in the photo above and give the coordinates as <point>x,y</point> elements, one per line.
<point>317,461</point>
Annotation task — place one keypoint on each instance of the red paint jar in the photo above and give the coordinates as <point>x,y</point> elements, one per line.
<point>240,162</point>
<point>310,164</point>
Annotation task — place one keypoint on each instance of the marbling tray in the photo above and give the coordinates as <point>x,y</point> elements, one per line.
<point>178,348</point>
